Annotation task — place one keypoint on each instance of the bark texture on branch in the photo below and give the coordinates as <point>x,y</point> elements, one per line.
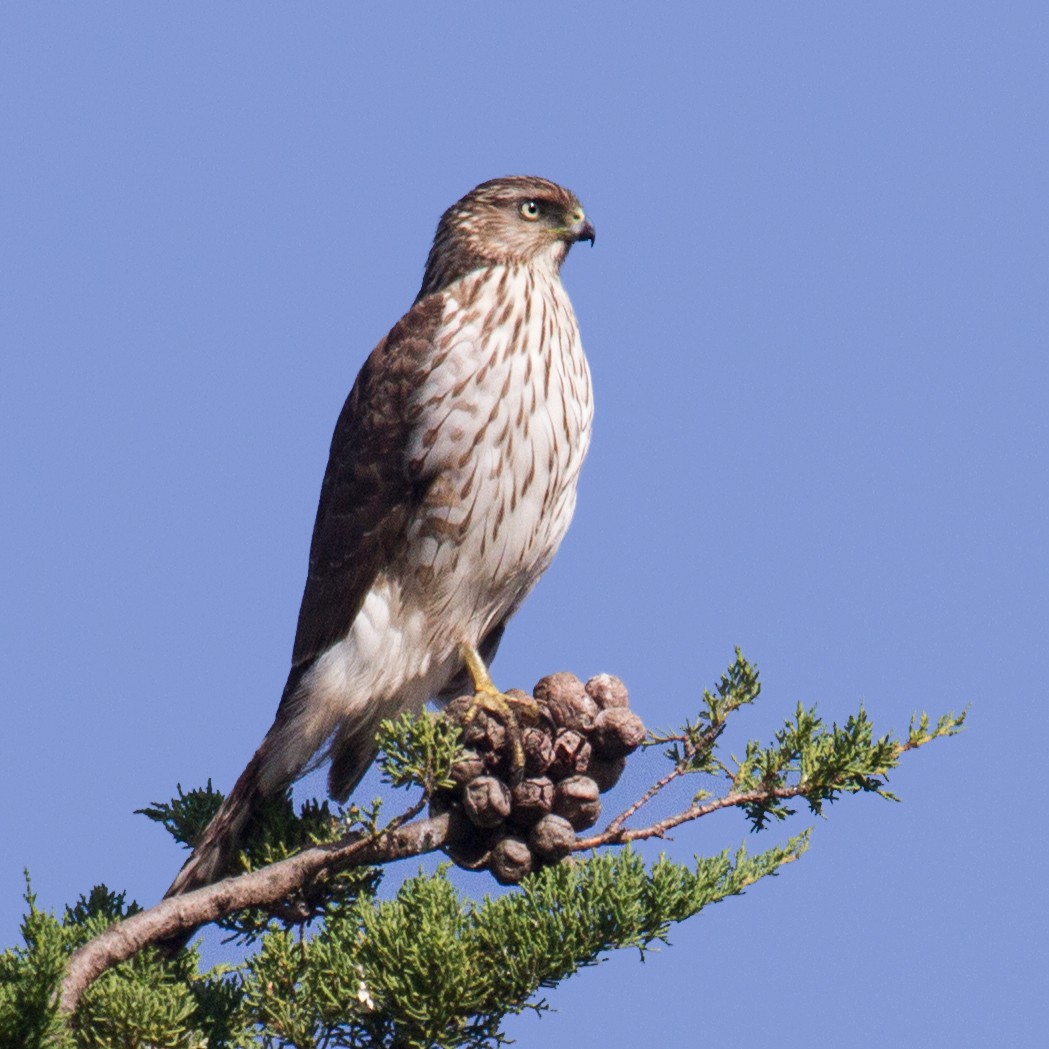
<point>269,885</point>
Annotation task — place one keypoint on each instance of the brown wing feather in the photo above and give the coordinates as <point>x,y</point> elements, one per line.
<point>368,493</point>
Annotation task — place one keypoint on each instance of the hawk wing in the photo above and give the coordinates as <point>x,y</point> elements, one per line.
<point>368,492</point>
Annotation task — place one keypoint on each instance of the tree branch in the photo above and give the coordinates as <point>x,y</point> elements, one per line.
<point>400,839</point>
<point>269,885</point>
<point>259,888</point>
<point>616,834</point>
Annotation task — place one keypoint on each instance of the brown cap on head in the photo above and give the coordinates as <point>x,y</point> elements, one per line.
<point>518,219</point>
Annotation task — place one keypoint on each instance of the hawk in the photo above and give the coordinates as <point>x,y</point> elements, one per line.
<point>450,484</point>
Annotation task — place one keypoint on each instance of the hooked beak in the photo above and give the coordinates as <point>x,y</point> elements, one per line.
<point>582,230</point>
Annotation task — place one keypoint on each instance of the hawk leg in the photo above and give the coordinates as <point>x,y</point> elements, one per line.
<point>510,710</point>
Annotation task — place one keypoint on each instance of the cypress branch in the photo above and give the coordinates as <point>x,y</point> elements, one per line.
<point>336,965</point>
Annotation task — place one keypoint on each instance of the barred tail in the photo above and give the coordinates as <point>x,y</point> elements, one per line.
<point>305,722</point>
<point>283,755</point>
<point>211,856</point>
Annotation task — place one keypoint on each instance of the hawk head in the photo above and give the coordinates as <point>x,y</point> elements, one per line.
<point>520,219</point>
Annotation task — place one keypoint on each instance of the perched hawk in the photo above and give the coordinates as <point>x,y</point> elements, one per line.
<point>450,485</point>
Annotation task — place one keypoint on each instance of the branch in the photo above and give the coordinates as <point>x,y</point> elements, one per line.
<point>703,742</point>
<point>616,834</point>
<point>475,802</point>
<point>274,883</point>
<point>259,888</point>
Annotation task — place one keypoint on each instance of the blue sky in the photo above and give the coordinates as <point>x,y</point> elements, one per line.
<point>816,318</point>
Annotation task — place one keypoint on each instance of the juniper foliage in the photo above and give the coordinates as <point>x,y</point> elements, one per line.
<point>340,965</point>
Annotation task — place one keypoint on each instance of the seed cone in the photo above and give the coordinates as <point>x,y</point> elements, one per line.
<point>522,789</point>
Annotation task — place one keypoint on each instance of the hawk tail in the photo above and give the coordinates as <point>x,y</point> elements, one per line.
<point>278,762</point>
<point>211,856</point>
<point>353,750</point>
<point>213,851</point>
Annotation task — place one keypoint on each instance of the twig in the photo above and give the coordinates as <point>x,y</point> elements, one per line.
<point>691,748</point>
<point>617,823</point>
<point>620,835</point>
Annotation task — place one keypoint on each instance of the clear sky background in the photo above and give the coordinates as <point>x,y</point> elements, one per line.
<point>816,318</point>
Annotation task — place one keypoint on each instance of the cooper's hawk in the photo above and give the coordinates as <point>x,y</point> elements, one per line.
<point>450,484</point>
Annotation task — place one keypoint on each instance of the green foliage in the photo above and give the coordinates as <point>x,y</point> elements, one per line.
<point>919,733</point>
<point>277,833</point>
<point>142,1002</point>
<point>28,978</point>
<point>418,750</point>
<point>280,833</point>
<point>809,760</point>
<point>426,968</point>
<point>429,967</point>
<point>806,759</point>
<point>692,746</point>
<point>98,909</point>
<point>186,816</point>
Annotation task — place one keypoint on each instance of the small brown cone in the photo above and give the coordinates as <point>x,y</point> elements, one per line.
<point>577,799</point>
<point>486,800</point>
<point>608,691</point>
<point>617,732</point>
<point>532,799</point>
<point>510,860</point>
<point>552,838</point>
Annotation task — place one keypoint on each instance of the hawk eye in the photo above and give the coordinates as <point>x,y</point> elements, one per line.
<point>530,210</point>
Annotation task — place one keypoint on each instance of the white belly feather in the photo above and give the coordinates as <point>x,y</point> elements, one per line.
<point>499,504</point>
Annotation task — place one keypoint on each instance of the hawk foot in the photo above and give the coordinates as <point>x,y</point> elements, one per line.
<point>508,710</point>
<point>505,706</point>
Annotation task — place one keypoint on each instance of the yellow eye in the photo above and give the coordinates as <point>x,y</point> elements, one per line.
<point>530,210</point>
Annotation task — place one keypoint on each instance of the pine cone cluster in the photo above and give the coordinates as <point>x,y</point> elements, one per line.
<point>522,790</point>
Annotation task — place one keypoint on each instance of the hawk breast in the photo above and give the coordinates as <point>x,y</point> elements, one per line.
<point>502,426</point>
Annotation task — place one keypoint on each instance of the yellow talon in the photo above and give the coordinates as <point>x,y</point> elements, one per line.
<point>487,696</point>
<point>478,672</point>
<point>510,710</point>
